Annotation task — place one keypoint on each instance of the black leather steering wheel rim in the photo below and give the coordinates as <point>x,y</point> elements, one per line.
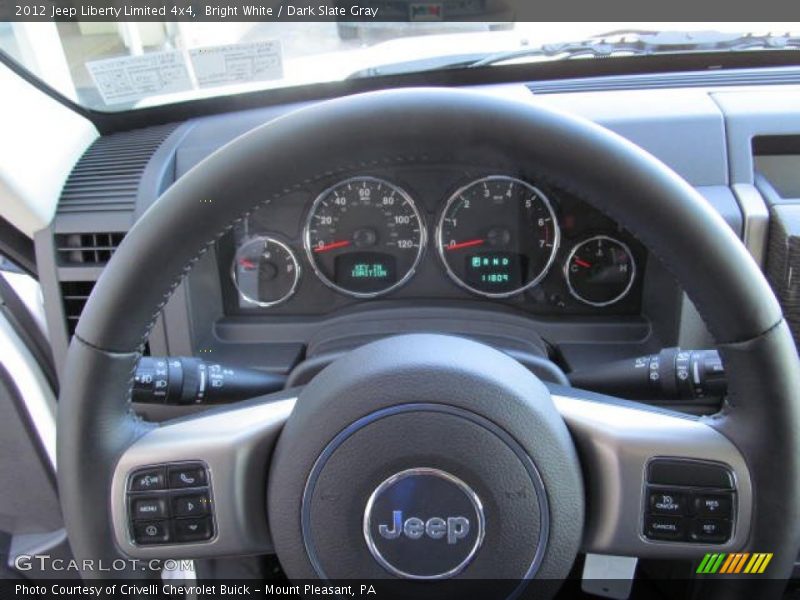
<point>762,416</point>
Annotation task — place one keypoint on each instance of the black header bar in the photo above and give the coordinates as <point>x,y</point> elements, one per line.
<point>501,11</point>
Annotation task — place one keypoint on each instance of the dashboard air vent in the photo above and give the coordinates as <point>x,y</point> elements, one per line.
<point>86,248</point>
<point>74,295</point>
<point>107,176</point>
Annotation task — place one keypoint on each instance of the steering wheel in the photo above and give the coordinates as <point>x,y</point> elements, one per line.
<point>425,456</point>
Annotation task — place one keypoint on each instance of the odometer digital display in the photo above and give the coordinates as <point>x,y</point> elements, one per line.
<point>497,236</point>
<point>364,237</point>
<point>498,271</point>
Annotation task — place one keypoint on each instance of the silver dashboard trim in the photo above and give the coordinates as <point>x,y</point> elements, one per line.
<point>755,216</point>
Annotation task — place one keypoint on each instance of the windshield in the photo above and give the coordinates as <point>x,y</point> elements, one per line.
<point>114,66</point>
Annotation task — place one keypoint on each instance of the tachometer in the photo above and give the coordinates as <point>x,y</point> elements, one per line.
<point>497,236</point>
<point>364,237</point>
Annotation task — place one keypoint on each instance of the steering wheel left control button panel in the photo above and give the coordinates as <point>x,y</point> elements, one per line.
<point>170,504</point>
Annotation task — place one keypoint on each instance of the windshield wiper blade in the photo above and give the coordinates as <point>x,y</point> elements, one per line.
<point>637,42</point>
<point>627,41</point>
<point>434,63</point>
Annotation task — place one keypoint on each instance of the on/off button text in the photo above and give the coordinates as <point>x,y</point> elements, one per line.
<point>666,503</point>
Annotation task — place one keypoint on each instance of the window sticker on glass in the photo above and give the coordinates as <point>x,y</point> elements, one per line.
<point>131,78</point>
<point>237,63</point>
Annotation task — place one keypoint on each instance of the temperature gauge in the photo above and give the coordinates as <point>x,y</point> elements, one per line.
<point>600,271</point>
<point>265,271</point>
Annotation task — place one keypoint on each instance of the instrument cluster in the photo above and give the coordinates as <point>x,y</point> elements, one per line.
<point>494,236</point>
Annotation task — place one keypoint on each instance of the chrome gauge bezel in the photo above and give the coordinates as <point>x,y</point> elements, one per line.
<point>423,240</point>
<point>627,289</point>
<point>553,251</point>
<point>271,240</point>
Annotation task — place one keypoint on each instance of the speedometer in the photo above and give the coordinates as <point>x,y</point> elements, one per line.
<point>364,237</point>
<point>497,236</point>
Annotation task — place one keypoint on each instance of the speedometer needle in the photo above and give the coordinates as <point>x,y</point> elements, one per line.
<point>467,244</point>
<point>331,246</point>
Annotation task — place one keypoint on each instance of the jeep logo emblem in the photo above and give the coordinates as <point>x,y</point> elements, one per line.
<point>455,528</point>
<point>423,523</point>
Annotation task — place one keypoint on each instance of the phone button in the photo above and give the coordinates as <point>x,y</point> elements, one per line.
<point>186,476</point>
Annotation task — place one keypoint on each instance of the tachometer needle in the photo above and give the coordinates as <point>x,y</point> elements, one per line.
<point>331,246</point>
<point>246,263</point>
<point>467,244</point>
<point>582,263</point>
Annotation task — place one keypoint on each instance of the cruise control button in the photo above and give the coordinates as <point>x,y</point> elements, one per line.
<point>713,505</point>
<point>148,507</point>
<point>151,532</point>
<point>667,503</point>
<point>711,530</point>
<point>147,480</point>
<point>187,476</point>
<point>664,528</point>
<point>192,530</point>
<point>194,505</point>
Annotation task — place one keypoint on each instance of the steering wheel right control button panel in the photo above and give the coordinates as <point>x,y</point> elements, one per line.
<point>170,504</point>
<point>689,501</point>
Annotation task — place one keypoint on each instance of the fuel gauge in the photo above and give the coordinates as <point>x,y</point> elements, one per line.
<point>265,271</point>
<point>600,271</point>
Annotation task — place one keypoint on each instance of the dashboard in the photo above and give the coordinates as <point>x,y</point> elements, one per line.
<point>438,232</point>
<point>489,250</point>
<point>493,252</point>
